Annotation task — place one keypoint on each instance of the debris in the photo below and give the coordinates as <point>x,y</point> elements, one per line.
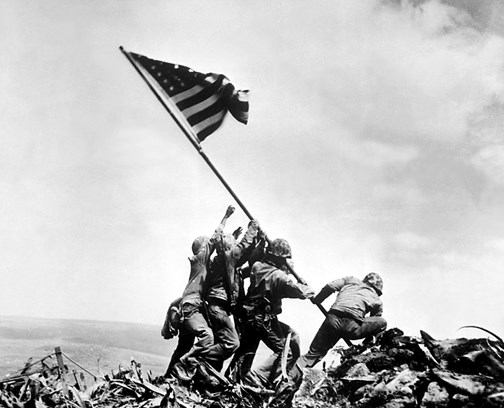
<point>464,384</point>
<point>403,371</point>
<point>396,371</point>
<point>436,396</point>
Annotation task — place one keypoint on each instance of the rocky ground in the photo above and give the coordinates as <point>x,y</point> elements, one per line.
<point>396,371</point>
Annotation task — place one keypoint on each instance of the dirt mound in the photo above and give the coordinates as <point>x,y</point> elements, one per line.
<point>403,371</point>
<point>396,371</point>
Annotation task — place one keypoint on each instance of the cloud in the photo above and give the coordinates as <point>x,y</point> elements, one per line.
<point>375,154</point>
<point>486,142</point>
<point>411,241</point>
<point>490,159</point>
<point>405,79</point>
<point>454,75</point>
<point>488,15</point>
<point>430,72</point>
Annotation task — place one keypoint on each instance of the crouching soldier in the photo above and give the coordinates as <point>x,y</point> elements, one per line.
<point>346,318</point>
<point>269,284</point>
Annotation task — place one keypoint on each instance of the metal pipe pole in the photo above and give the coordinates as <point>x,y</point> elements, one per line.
<point>192,137</point>
<point>194,141</point>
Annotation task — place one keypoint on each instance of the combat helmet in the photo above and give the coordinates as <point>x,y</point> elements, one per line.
<point>198,243</point>
<point>374,280</point>
<point>280,248</point>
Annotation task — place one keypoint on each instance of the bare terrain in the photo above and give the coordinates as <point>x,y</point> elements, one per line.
<point>95,345</point>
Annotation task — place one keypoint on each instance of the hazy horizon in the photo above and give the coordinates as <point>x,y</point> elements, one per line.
<point>94,345</point>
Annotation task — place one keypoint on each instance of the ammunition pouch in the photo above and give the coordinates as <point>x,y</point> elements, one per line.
<point>257,308</point>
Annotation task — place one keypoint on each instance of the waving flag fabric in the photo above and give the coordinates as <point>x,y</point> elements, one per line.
<point>202,99</point>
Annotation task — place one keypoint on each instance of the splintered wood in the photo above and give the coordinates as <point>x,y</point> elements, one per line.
<point>396,371</point>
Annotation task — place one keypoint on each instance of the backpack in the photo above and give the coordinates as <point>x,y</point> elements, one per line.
<point>172,321</point>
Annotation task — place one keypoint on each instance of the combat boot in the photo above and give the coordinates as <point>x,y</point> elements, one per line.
<point>185,369</point>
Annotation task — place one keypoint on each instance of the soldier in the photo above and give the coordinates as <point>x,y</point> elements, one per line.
<point>346,318</point>
<point>194,323</point>
<point>269,284</point>
<point>224,284</point>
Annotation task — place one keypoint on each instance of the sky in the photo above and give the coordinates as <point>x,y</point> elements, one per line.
<point>375,143</point>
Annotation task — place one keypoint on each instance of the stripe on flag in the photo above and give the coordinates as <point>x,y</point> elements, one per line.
<point>203,100</point>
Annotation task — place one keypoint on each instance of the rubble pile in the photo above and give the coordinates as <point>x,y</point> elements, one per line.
<point>46,384</point>
<point>395,371</point>
<point>403,371</point>
<point>49,386</point>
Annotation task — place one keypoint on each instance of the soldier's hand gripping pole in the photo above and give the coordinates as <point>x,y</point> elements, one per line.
<point>303,282</point>
<point>296,276</point>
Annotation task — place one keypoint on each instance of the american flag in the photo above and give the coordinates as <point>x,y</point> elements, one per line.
<point>202,99</point>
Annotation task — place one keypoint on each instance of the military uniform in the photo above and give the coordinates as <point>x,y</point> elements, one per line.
<point>345,319</point>
<point>263,303</point>
<point>194,323</point>
<point>222,292</point>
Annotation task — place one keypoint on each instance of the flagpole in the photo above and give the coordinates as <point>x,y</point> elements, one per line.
<point>193,139</point>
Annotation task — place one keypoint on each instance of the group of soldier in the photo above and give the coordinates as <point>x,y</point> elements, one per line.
<point>216,319</point>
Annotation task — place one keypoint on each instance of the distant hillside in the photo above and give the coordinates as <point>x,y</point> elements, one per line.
<point>92,344</point>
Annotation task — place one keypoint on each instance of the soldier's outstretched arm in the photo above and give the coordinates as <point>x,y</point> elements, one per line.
<point>290,289</point>
<point>332,287</point>
<point>217,235</point>
<point>229,211</point>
